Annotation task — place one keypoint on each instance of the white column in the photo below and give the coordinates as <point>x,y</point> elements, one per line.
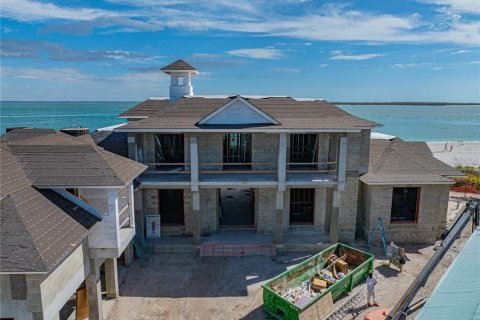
<point>111,221</point>
<point>282,161</point>
<point>342,163</point>
<point>194,163</point>
<point>131,205</point>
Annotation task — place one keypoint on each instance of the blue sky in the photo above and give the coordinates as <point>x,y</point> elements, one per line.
<point>422,50</point>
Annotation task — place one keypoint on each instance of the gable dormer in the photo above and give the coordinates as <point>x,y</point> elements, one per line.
<point>238,111</point>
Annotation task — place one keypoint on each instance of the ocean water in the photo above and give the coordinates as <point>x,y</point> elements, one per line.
<point>410,122</point>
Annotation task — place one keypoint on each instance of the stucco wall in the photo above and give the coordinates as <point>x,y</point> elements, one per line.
<point>13,308</point>
<point>59,286</point>
<point>431,217</point>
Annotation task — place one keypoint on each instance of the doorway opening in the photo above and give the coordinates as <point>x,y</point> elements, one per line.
<point>237,208</point>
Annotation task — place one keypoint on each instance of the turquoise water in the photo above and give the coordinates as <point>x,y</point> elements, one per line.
<point>429,123</point>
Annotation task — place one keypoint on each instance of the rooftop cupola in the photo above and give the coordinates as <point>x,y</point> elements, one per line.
<point>181,79</point>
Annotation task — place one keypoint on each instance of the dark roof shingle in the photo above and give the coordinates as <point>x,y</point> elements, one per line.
<point>401,162</point>
<point>290,113</point>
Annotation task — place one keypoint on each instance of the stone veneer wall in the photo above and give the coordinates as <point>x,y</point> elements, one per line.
<point>432,214</point>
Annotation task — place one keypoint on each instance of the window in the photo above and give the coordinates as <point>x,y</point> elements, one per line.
<point>170,206</point>
<point>405,203</point>
<point>303,150</point>
<point>181,81</point>
<point>301,206</point>
<point>237,149</point>
<point>169,149</point>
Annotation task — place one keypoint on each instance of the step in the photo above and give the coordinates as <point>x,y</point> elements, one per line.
<point>237,250</point>
<point>175,248</point>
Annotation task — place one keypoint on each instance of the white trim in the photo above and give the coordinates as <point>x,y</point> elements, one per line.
<point>246,103</point>
<point>168,71</point>
<point>170,130</point>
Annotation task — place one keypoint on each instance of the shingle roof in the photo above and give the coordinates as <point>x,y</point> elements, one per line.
<point>178,65</point>
<point>58,159</point>
<point>399,162</point>
<point>289,112</point>
<point>37,228</point>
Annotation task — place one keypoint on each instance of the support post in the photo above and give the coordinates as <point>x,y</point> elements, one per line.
<point>282,161</point>
<point>196,228</point>
<point>131,205</point>
<point>342,163</point>
<point>278,237</point>
<point>111,278</point>
<point>194,163</point>
<point>94,291</point>
<point>335,217</point>
<point>128,255</point>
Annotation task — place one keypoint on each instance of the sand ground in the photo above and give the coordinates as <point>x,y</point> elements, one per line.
<point>182,286</point>
<point>465,154</point>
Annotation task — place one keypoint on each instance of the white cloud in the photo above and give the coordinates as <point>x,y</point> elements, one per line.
<point>324,65</point>
<point>339,55</point>
<point>258,53</point>
<point>467,6</point>
<point>460,51</point>
<point>27,10</point>
<point>318,23</point>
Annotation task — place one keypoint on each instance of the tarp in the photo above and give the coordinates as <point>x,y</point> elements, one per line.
<point>457,295</point>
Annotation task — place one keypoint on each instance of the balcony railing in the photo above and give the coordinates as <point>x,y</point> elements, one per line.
<point>257,167</point>
<point>124,217</point>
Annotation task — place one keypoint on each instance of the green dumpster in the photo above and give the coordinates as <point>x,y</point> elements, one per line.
<point>281,308</point>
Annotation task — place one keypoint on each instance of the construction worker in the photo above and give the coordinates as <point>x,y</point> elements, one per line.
<point>371,282</point>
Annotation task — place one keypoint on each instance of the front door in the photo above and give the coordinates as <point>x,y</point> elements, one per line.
<point>237,208</point>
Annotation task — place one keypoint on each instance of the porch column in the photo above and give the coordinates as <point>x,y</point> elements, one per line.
<point>196,227</point>
<point>128,255</point>
<point>282,173</point>
<point>196,221</point>
<point>131,205</point>
<point>334,217</point>
<point>342,163</point>
<point>278,237</point>
<point>94,291</point>
<point>111,278</point>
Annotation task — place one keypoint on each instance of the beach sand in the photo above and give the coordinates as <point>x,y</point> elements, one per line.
<point>465,154</point>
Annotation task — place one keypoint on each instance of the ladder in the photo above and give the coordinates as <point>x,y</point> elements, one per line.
<point>141,246</point>
<point>355,297</point>
<point>379,224</point>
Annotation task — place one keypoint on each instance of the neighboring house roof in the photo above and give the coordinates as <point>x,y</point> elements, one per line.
<point>291,114</point>
<point>457,294</point>
<point>115,142</point>
<point>38,228</point>
<point>178,65</point>
<point>400,162</point>
<point>60,160</point>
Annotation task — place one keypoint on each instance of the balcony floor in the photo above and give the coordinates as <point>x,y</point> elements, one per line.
<point>243,179</point>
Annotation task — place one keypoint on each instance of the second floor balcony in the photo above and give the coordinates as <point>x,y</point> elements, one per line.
<point>242,159</point>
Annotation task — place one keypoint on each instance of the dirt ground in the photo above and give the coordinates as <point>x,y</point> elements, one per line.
<point>183,286</point>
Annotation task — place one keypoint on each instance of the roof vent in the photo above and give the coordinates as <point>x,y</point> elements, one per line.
<point>76,132</point>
